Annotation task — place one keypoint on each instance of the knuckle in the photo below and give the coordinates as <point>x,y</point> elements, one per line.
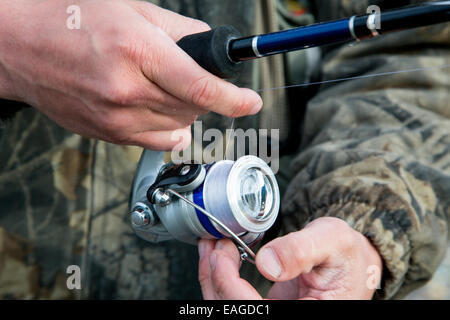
<point>120,92</point>
<point>239,109</point>
<point>138,51</point>
<point>220,282</point>
<point>123,53</point>
<point>349,238</point>
<point>199,26</point>
<point>204,92</point>
<point>300,257</point>
<point>345,233</point>
<point>332,224</point>
<point>341,228</point>
<point>203,279</point>
<point>156,63</point>
<point>182,122</point>
<point>112,39</point>
<point>189,120</point>
<point>115,125</point>
<point>176,123</point>
<point>134,49</point>
<point>192,25</point>
<point>180,139</point>
<point>342,224</point>
<point>300,253</point>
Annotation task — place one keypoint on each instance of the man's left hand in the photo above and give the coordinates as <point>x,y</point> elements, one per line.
<point>325,260</point>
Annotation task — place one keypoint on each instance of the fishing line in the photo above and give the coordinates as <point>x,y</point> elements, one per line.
<point>230,135</point>
<point>357,77</point>
<point>337,80</point>
<point>219,204</point>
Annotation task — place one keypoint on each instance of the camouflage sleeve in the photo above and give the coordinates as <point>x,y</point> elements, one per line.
<point>376,152</point>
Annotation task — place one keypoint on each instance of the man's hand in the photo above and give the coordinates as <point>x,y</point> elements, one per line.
<point>325,260</point>
<point>120,77</point>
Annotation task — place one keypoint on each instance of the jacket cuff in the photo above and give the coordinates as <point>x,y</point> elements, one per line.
<point>393,249</point>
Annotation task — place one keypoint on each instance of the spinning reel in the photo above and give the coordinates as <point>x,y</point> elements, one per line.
<point>238,200</point>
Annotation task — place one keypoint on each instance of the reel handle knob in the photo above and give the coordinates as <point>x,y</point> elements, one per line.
<point>210,50</point>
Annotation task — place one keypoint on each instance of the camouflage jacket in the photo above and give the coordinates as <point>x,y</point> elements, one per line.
<point>373,151</point>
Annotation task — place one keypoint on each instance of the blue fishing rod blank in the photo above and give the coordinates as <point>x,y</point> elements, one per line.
<point>222,50</point>
<point>345,30</point>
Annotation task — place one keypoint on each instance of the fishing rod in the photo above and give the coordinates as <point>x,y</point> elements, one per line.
<point>222,50</point>
<point>240,199</point>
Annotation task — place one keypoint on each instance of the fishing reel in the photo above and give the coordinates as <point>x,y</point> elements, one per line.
<point>239,200</point>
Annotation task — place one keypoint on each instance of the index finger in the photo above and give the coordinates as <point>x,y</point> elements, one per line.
<point>177,73</point>
<point>227,283</point>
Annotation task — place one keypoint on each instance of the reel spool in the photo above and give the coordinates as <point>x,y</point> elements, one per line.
<point>237,200</point>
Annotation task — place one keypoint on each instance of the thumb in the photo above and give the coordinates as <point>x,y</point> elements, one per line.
<point>287,257</point>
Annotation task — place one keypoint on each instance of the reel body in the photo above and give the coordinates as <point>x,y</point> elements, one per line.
<point>238,200</point>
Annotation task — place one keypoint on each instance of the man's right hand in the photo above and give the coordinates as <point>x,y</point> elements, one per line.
<point>120,77</point>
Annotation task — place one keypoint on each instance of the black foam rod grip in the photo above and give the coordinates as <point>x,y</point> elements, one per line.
<point>210,50</point>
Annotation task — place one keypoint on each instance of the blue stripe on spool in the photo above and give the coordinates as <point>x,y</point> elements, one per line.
<point>204,220</point>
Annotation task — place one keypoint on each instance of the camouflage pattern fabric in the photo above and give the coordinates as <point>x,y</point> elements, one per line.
<point>64,201</point>
<point>374,152</point>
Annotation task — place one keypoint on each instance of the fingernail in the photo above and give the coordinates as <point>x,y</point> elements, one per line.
<point>201,249</point>
<point>212,261</point>
<point>269,262</point>
<point>219,245</point>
